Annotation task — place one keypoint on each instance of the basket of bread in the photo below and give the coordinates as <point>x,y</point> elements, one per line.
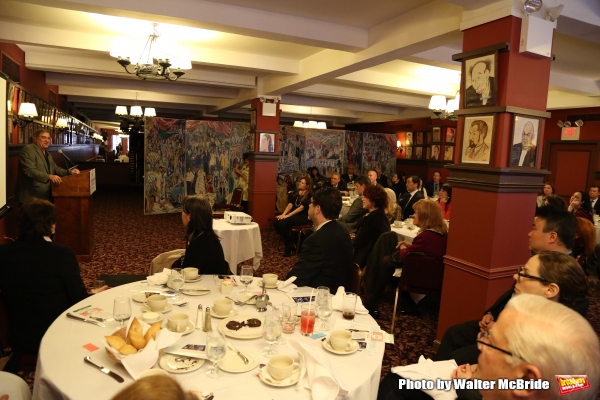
<point>127,342</point>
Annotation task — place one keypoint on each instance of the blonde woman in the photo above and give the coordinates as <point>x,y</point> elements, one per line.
<point>391,211</point>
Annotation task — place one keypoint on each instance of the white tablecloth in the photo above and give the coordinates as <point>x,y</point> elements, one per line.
<point>240,243</point>
<point>408,234</point>
<point>62,374</point>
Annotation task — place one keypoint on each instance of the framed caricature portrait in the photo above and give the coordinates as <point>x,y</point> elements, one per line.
<point>418,153</point>
<point>253,120</point>
<point>429,137</point>
<point>524,141</point>
<point>435,150</point>
<point>448,153</point>
<point>478,136</point>
<point>428,156</point>
<point>450,135</point>
<point>409,139</point>
<point>437,134</point>
<point>419,138</point>
<point>408,150</point>
<point>481,86</point>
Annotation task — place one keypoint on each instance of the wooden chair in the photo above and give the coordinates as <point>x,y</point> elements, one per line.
<point>235,204</point>
<point>421,273</point>
<point>357,278</point>
<point>301,230</point>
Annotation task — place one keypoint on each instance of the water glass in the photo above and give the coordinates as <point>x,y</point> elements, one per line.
<point>122,309</point>
<point>215,351</point>
<point>246,277</point>
<point>307,319</point>
<point>176,282</point>
<point>282,315</point>
<point>349,306</point>
<point>271,334</point>
<point>99,284</point>
<point>324,310</point>
<point>289,325</point>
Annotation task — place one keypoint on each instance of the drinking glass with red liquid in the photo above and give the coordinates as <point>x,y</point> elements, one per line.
<point>307,319</point>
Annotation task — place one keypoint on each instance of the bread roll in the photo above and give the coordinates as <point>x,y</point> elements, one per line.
<point>136,339</point>
<point>136,326</point>
<point>127,350</point>
<point>151,333</point>
<point>115,342</point>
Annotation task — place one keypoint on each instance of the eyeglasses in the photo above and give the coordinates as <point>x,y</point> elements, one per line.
<point>520,275</point>
<point>480,342</point>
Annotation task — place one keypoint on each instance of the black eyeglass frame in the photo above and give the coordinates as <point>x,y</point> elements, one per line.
<point>481,335</point>
<point>520,275</point>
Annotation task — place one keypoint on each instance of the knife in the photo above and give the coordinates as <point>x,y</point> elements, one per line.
<point>232,347</point>
<point>69,315</point>
<point>196,290</point>
<point>108,372</point>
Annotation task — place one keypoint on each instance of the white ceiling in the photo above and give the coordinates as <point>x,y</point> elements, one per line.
<point>342,61</point>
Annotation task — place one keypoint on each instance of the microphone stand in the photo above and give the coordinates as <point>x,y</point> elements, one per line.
<point>69,160</point>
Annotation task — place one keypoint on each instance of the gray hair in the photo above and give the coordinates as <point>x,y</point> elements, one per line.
<point>555,339</point>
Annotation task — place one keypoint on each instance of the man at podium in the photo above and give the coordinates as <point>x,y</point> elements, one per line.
<point>37,170</point>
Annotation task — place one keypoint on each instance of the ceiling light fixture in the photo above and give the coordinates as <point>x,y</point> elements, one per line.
<point>135,117</point>
<point>170,59</point>
<point>530,7</point>
<point>310,124</point>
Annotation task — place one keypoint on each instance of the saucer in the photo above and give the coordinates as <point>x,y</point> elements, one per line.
<point>233,312</point>
<point>168,363</point>
<point>233,363</point>
<point>353,348</point>
<point>188,329</point>
<point>259,283</point>
<point>245,296</point>
<point>152,321</point>
<point>167,308</point>
<point>141,297</point>
<point>195,290</point>
<point>197,279</point>
<point>269,380</point>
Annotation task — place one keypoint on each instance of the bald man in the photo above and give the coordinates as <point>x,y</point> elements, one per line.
<point>523,154</point>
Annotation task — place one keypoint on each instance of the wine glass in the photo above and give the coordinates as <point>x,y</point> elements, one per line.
<point>122,309</point>
<point>177,282</point>
<point>215,351</point>
<point>246,276</point>
<point>324,310</point>
<point>271,333</point>
<point>282,315</point>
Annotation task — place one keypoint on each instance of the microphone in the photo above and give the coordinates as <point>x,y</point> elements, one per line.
<point>68,159</point>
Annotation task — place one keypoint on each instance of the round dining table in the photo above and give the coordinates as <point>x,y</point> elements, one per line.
<point>62,374</point>
<point>240,242</point>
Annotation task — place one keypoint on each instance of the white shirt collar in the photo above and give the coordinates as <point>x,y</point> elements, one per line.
<point>320,226</point>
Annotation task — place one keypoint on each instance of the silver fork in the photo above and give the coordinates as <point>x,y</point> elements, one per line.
<point>183,304</point>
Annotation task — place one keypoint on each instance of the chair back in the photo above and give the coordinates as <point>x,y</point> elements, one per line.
<point>356,278</point>
<point>236,197</point>
<point>14,386</point>
<point>422,273</point>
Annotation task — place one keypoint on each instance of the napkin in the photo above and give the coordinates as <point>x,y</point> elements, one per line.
<point>287,286</point>
<point>430,370</point>
<point>159,278</point>
<point>316,372</point>
<point>338,301</point>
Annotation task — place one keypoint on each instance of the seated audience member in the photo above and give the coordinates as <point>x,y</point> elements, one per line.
<point>391,211</point>
<point>556,201</point>
<point>296,213</point>
<point>433,187</point>
<point>398,185</point>
<point>155,388</point>
<point>203,249</point>
<point>318,180</point>
<point>444,199</point>
<point>349,176</point>
<point>431,240</point>
<point>533,339</point>
<point>326,256</point>
<point>381,178</point>
<point>581,206</point>
<point>412,195</point>
<point>48,270</point>
<point>556,276</point>
<point>585,240</point>
<point>373,224</point>
<point>594,193</point>
<point>356,212</point>
<point>372,175</point>
<point>548,190</point>
<point>336,182</point>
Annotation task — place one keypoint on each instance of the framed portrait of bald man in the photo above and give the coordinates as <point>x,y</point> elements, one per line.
<point>477,140</point>
<point>524,143</point>
<point>481,86</point>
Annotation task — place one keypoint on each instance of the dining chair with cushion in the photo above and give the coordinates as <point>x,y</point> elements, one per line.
<point>14,386</point>
<point>303,231</point>
<point>421,273</point>
<point>235,204</point>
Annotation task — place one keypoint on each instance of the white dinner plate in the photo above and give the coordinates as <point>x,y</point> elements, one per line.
<point>187,290</point>
<point>197,279</point>
<point>167,308</point>
<point>269,380</point>
<point>245,332</point>
<point>233,312</point>
<point>168,363</point>
<point>268,287</point>
<point>233,363</point>
<point>353,348</point>
<point>188,329</point>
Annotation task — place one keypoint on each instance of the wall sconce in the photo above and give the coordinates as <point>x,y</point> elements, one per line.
<point>62,125</point>
<point>27,112</point>
<point>437,104</point>
<point>399,148</point>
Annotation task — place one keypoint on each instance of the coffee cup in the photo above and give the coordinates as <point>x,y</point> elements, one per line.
<point>397,224</point>
<point>178,322</point>
<point>222,306</point>
<point>157,302</point>
<point>340,340</point>
<point>270,279</point>
<point>190,273</point>
<point>281,367</point>
<point>152,372</point>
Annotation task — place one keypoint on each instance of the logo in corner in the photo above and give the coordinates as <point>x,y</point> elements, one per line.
<point>572,383</point>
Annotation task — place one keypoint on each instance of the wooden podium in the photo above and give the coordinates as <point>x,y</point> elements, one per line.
<point>75,225</point>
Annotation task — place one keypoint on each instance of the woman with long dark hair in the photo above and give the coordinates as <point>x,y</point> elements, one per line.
<point>581,205</point>
<point>444,199</point>
<point>203,250</point>
<point>296,213</point>
<point>548,190</point>
<point>318,180</point>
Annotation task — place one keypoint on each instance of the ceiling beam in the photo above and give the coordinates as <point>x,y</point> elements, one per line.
<point>148,96</point>
<point>362,94</point>
<point>299,100</point>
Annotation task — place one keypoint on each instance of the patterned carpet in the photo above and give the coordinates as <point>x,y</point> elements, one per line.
<point>126,241</point>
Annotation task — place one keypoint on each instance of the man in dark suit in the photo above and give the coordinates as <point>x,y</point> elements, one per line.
<point>356,212</point>
<point>381,178</point>
<point>523,154</point>
<point>37,170</point>
<point>350,176</point>
<point>594,192</point>
<point>326,256</point>
<point>433,187</point>
<point>336,182</point>
<point>412,195</point>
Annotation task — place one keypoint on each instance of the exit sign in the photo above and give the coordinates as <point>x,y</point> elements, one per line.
<point>571,133</point>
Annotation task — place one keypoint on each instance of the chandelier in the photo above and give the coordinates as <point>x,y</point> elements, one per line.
<point>159,58</point>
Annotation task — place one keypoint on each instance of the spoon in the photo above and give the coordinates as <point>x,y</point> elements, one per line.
<point>183,304</point>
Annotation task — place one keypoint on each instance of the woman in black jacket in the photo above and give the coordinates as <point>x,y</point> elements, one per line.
<point>373,224</point>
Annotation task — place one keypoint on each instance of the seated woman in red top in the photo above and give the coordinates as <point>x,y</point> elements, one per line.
<point>585,240</point>
<point>444,200</point>
<point>581,205</point>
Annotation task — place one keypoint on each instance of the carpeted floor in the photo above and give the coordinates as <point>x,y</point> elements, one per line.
<point>126,241</point>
